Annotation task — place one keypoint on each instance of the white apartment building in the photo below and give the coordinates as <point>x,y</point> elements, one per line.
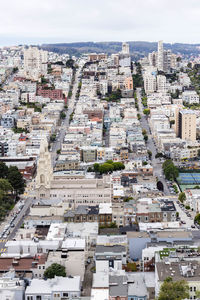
<point>11,288</point>
<point>190,97</point>
<point>56,288</point>
<point>149,83</point>
<point>161,83</point>
<point>35,62</point>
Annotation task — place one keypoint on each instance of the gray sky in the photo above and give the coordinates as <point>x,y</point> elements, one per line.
<point>43,21</point>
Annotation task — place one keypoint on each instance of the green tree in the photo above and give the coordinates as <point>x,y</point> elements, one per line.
<point>182,197</point>
<point>62,115</point>
<point>5,185</point>
<point>174,290</point>
<point>149,153</point>
<point>58,151</point>
<point>55,270</point>
<point>110,161</point>
<point>16,180</point>
<point>96,167</point>
<point>167,163</point>
<point>53,137</point>
<point>118,166</point>
<point>197,219</point>
<point>146,111</point>
<point>159,154</point>
<point>70,63</point>
<point>144,131</point>
<point>106,168</point>
<point>3,170</point>
<point>171,172</point>
<point>146,137</point>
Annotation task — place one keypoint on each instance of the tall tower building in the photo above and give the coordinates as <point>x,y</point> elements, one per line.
<point>44,170</point>
<point>187,125</point>
<point>167,60</point>
<point>35,61</point>
<point>160,63</point>
<point>152,57</point>
<point>124,56</point>
<point>125,48</point>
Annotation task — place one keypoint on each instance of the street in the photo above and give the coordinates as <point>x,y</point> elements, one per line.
<point>157,166</point>
<point>63,128</point>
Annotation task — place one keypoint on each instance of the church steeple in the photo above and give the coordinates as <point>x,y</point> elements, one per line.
<point>44,167</point>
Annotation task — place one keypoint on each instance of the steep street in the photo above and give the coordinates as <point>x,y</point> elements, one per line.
<point>157,165</point>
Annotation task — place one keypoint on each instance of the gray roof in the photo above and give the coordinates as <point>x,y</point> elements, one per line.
<point>118,286</point>
<point>179,270</point>
<point>107,249</point>
<point>82,210</point>
<point>136,285</point>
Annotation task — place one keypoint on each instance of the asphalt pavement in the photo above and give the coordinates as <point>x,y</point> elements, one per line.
<point>157,166</point>
<point>64,127</point>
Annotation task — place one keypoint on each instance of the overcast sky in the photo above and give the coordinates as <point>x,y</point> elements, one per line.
<point>43,21</point>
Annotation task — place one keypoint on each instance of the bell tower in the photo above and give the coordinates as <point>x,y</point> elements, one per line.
<point>44,168</point>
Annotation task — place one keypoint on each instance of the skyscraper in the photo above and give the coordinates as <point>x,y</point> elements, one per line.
<point>125,48</point>
<point>160,63</point>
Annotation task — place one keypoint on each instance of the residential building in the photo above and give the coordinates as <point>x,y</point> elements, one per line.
<point>58,287</point>
<point>187,125</point>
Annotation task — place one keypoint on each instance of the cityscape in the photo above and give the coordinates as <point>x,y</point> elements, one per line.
<point>99,168</point>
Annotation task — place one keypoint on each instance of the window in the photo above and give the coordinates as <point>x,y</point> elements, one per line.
<point>65,294</point>
<point>194,288</point>
<point>38,298</point>
<point>111,263</point>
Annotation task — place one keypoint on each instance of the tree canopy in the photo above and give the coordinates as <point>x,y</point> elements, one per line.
<point>146,111</point>
<point>173,290</point>
<point>182,197</point>
<point>55,270</point>
<point>170,170</point>
<point>197,219</point>
<point>16,180</point>
<point>107,167</point>
<point>6,199</point>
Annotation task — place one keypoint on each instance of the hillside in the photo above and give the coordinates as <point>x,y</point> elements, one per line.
<point>137,48</point>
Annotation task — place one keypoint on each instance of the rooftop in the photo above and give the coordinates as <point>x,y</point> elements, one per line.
<point>178,270</point>
<point>39,286</point>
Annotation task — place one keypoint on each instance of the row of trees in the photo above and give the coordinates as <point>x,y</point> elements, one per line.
<point>11,185</point>
<point>137,78</point>
<point>107,167</point>
<point>170,170</point>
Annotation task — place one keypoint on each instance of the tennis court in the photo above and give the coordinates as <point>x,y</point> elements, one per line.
<point>188,180</point>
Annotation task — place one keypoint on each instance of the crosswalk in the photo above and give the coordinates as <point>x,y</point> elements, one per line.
<point>3,241</point>
<point>3,250</point>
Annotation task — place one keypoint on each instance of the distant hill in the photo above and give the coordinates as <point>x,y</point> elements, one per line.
<point>137,49</point>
